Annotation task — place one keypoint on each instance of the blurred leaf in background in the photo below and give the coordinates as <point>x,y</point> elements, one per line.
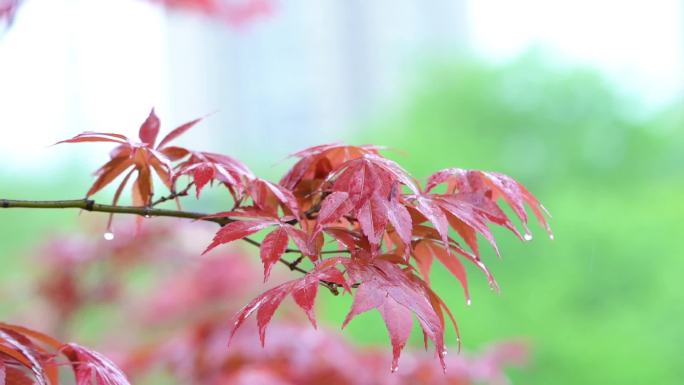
<point>601,303</point>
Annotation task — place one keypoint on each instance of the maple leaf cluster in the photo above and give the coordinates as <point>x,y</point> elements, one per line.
<point>362,222</point>
<point>31,357</point>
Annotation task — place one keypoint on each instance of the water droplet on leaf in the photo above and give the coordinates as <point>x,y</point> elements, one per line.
<point>468,302</point>
<point>528,237</point>
<point>394,368</point>
<point>551,237</point>
<point>108,236</point>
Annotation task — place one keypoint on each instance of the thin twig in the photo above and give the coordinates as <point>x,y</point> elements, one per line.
<point>182,193</point>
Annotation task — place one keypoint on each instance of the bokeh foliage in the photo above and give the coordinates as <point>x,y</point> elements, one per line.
<point>603,302</point>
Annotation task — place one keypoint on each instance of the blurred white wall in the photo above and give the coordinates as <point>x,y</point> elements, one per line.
<point>639,43</point>
<point>299,77</point>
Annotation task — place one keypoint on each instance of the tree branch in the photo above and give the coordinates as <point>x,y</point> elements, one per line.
<point>90,205</point>
<point>174,195</point>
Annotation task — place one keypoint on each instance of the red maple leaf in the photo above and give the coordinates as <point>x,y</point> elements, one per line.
<point>130,156</point>
<point>206,167</point>
<point>21,347</point>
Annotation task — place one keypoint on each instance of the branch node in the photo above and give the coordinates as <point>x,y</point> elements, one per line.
<point>89,204</point>
<point>5,203</point>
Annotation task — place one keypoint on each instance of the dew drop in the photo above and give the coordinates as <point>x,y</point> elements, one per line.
<point>394,368</point>
<point>444,352</point>
<point>528,237</point>
<point>108,236</point>
<point>468,302</point>
<point>148,216</point>
<point>551,237</point>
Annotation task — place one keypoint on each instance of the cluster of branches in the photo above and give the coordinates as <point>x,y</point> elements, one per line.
<point>366,226</point>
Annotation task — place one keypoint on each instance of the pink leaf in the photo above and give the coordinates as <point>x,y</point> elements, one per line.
<point>333,207</point>
<point>149,129</point>
<point>272,248</point>
<point>238,230</point>
<point>178,131</point>
<point>91,367</point>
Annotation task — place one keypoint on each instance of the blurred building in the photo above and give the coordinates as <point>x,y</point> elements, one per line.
<point>303,75</point>
<point>309,72</point>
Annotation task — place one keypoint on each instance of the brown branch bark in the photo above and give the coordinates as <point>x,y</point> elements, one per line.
<point>91,205</point>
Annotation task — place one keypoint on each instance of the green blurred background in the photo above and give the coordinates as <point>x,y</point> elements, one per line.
<point>600,304</point>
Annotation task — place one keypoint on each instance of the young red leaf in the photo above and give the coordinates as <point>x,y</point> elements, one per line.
<point>21,349</point>
<point>373,218</point>
<point>427,249</point>
<point>89,136</point>
<point>268,196</point>
<point>272,248</point>
<point>332,155</point>
<point>399,322</point>
<point>176,132</point>
<point>512,192</point>
<point>109,172</point>
<point>303,291</point>
<point>469,215</point>
<point>15,376</point>
<point>230,172</point>
<point>267,307</point>
<point>333,207</point>
<point>149,129</point>
<point>238,230</point>
<point>201,175</point>
<point>431,210</point>
<point>385,282</point>
<point>399,217</point>
<point>91,367</point>
<point>304,294</point>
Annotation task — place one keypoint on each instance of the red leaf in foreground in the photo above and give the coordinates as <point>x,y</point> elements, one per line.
<point>495,185</point>
<point>176,132</point>
<point>91,367</point>
<point>333,207</point>
<point>23,347</point>
<point>371,183</point>
<point>303,290</point>
<point>272,248</point>
<point>206,166</point>
<point>238,230</point>
<point>426,250</point>
<point>386,287</point>
<point>149,129</point>
<point>317,162</point>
